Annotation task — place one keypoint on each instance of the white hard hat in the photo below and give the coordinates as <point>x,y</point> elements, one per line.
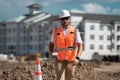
<point>64,13</point>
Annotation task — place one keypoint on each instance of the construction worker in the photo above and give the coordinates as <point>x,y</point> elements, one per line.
<point>66,44</point>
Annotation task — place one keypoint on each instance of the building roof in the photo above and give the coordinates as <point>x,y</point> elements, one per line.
<point>36,18</point>
<point>102,17</point>
<point>38,6</point>
<point>42,16</point>
<point>17,19</point>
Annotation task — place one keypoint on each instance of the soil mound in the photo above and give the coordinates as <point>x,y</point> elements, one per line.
<point>25,71</point>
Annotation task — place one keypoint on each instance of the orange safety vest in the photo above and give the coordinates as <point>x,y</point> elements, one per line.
<point>65,46</point>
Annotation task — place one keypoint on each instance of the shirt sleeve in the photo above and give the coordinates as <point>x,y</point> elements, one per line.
<point>78,38</point>
<point>52,37</point>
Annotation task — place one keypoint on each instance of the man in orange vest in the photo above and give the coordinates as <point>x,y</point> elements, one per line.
<point>66,44</point>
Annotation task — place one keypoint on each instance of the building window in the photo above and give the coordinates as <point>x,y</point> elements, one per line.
<point>109,37</point>
<point>9,30</point>
<point>91,46</point>
<point>40,38</point>
<point>101,37</point>
<point>118,28</point>
<point>118,38</point>
<point>92,27</point>
<point>92,37</point>
<point>30,29</point>
<point>112,46</point>
<point>40,47</point>
<point>113,36</point>
<point>47,37</point>
<point>109,47</point>
<point>118,47</point>
<point>14,30</point>
<point>40,29</point>
<point>109,28</point>
<point>36,38</point>
<point>24,29</point>
<point>30,38</point>
<point>1,31</point>
<point>101,27</point>
<point>24,38</point>
<point>14,39</point>
<point>46,28</point>
<point>30,47</point>
<point>100,46</point>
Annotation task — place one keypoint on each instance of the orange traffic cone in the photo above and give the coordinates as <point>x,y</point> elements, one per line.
<point>38,74</point>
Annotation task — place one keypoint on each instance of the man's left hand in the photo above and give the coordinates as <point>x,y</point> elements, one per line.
<point>75,61</point>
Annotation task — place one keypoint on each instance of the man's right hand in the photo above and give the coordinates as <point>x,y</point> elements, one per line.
<point>54,55</point>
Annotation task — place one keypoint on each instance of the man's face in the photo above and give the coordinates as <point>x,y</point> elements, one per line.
<point>65,21</point>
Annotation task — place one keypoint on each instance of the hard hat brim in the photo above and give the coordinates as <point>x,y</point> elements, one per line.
<point>63,16</point>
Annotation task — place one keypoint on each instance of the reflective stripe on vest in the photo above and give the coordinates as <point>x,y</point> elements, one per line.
<point>63,49</point>
<point>55,40</point>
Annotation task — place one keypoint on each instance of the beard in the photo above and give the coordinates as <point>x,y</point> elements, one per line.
<point>65,24</point>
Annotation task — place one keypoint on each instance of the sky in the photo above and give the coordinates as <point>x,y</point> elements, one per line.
<point>13,8</point>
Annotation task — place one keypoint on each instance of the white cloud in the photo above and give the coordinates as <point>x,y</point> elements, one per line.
<point>77,11</point>
<point>94,8</point>
<point>116,11</point>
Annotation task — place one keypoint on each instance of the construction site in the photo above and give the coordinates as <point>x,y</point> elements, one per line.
<point>24,68</point>
<point>28,35</point>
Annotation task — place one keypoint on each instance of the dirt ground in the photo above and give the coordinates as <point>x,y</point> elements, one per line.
<point>86,70</point>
